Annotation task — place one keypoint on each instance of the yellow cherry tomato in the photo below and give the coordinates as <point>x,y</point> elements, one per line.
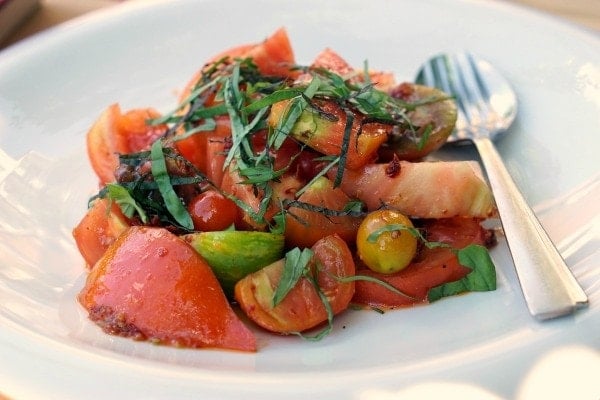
<point>384,242</point>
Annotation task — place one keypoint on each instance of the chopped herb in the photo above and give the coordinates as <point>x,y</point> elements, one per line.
<point>296,266</point>
<point>172,201</point>
<point>128,205</point>
<point>482,277</point>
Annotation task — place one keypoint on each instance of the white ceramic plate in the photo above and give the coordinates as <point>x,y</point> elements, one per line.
<point>53,86</point>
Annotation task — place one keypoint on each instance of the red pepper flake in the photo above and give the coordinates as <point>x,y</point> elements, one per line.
<point>403,91</point>
<point>393,167</point>
<point>115,323</point>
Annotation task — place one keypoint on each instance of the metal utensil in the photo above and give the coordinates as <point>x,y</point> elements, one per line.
<point>487,106</point>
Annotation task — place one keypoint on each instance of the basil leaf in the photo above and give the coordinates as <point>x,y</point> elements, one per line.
<point>296,107</point>
<point>161,176</point>
<point>296,262</point>
<point>482,277</point>
<point>269,100</point>
<point>123,198</point>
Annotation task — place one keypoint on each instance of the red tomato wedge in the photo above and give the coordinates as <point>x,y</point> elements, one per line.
<point>207,150</point>
<point>327,135</point>
<point>431,268</point>
<point>151,284</point>
<point>304,227</point>
<point>233,184</point>
<point>332,61</point>
<point>273,56</point>
<point>422,189</point>
<point>302,308</point>
<point>98,229</point>
<point>114,133</point>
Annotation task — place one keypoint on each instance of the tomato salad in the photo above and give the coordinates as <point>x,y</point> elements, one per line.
<point>284,192</point>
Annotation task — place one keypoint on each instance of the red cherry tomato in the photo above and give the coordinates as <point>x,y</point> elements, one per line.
<point>211,211</point>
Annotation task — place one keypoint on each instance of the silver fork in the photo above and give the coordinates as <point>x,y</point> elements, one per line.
<point>487,105</point>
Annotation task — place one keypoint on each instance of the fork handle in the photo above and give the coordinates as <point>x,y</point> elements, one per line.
<point>549,287</point>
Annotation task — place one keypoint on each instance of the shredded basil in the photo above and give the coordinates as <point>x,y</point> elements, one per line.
<point>482,277</point>
<point>296,266</point>
<point>123,198</point>
<point>161,176</point>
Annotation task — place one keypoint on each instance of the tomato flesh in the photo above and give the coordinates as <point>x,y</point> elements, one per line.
<point>150,284</point>
<point>302,308</point>
<point>327,135</point>
<point>98,229</point>
<point>116,133</point>
<point>304,227</point>
<point>431,268</point>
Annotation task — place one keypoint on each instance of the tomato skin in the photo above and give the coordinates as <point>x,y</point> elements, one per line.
<point>114,132</point>
<point>98,229</point>
<point>440,116</point>
<point>273,56</point>
<point>233,184</point>
<point>391,251</point>
<point>206,150</point>
<point>302,308</point>
<point>431,268</point>
<point>332,61</point>
<point>306,227</point>
<point>327,136</point>
<point>150,284</point>
<point>211,211</point>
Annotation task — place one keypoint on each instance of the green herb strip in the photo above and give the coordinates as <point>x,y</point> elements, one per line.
<point>297,105</point>
<point>296,265</point>
<point>161,176</point>
<point>327,330</point>
<point>482,277</point>
<point>128,205</point>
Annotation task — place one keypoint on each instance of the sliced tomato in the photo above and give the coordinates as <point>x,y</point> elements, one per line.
<point>304,227</point>
<point>151,284</point>
<point>422,189</point>
<point>233,184</point>
<point>207,150</point>
<point>433,267</point>
<point>98,229</point>
<point>330,60</point>
<point>114,133</point>
<point>273,56</point>
<point>326,135</point>
<point>431,123</point>
<point>302,308</point>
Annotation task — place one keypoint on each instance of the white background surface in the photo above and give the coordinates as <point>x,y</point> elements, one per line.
<point>53,86</point>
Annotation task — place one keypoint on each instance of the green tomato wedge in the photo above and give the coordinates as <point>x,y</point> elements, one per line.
<point>234,254</point>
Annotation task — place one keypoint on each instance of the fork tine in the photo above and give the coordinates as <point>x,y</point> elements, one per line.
<point>439,72</point>
<point>473,88</point>
<point>483,87</point>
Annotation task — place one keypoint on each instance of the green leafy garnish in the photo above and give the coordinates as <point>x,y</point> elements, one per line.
<point>475,257</point>
<point>161,176</point>
<point>296,265</point>
<point>482,277</point>
<point>128,205</point>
